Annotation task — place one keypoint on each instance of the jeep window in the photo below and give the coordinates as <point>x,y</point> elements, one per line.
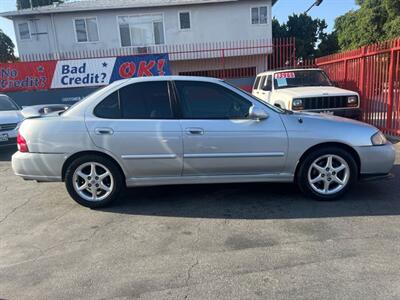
<point>300,78</point>
<point>256,83</point>
<point>268,85</point>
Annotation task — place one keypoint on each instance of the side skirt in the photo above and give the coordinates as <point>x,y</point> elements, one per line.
<point>153,181</point>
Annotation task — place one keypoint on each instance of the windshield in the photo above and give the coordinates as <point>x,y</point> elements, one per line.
<point>290,79</point>
<point>7,104</point>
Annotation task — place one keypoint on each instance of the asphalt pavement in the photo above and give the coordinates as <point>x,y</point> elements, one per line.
<point>240,241</point>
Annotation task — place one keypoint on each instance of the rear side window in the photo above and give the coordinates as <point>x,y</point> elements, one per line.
<point>256,83</point>
<point>146,100</point>
<point>109,108</point>
<point>204,100</point>
<point>268,85</point>
<point>262,82</point>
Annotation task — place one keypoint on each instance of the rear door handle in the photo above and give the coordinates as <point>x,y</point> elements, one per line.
<point>104,131</point>
<point>195,131</point>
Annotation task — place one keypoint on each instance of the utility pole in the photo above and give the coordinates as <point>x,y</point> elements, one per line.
<point>316,3</point>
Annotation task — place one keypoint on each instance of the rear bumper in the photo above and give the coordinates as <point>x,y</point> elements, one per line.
<point>38,166</point>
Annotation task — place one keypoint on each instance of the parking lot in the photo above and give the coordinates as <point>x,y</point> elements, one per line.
<point>247,241</point>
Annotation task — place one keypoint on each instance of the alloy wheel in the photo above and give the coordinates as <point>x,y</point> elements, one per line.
<point>328,174</point>
<point>93,181</point>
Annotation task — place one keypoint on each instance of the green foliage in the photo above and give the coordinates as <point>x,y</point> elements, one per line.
<point>307,31</point>
<point>328,45</point>
<point>22,4</point>
<point>374,21</point>
<point>6,48</point>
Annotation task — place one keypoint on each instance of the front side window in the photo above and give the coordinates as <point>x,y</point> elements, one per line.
<point>259,15</point>
<point>204,100</point>
<point>24,32</point>
<point>184,20</point>
<point>146,100</point>
<point>86,30</point>
<point>141,30</point>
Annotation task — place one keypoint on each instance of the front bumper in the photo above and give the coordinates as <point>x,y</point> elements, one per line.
<point>38,166</point>
<point>10,142</point>
<point>376,159</point>
<point>12,138</point>
<point>351,113</point>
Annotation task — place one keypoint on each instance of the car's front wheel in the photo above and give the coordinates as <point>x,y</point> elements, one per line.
<point>327,173</point>
<point>93,181</point>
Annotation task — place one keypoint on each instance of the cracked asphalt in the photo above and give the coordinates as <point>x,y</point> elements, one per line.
<point>241,241</point>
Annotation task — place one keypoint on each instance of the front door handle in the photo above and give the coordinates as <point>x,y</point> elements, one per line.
<point>104,131</point>
<point>195,131</point>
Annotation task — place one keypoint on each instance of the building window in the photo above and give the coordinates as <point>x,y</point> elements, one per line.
<point>184,20</point>
<point>24,32</point>
<point>86,30</point>
<point>259,15</point>
<point>141,30</point>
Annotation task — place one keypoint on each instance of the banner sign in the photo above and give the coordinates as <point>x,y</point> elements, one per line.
<point>79,73</point>
<point>141,65</point>
<point>27,76</point>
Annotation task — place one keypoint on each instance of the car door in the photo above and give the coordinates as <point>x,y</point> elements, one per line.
<point>137,124</point>
<point>218,136</point>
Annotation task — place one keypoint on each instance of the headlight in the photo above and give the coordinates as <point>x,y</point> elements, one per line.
<point>352,101</point>
<point>297,104</point>
<point>378,139</point>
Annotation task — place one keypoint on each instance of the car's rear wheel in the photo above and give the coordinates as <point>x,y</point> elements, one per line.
<point>327,173</point>
<point>93,181</point>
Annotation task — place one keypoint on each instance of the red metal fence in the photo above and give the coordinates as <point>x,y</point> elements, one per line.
<point>373,71</point>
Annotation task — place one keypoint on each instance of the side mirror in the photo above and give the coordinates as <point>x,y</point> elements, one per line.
<point>258,114</point>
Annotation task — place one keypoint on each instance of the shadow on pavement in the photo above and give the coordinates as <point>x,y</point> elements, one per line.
<point>258,201</point>
<point>7,152</point>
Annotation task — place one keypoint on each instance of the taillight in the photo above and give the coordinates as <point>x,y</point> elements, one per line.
<point>21,142</point>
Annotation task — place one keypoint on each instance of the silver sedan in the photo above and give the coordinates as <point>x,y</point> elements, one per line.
<point>191,130</point>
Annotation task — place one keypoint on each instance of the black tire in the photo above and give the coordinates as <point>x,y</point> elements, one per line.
<point>114,170</point>
<point>305,164</point>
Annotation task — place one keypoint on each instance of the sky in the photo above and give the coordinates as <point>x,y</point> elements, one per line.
<point>328,10</point>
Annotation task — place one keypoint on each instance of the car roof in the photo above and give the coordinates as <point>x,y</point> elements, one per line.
<point>287,70</point>
<point>171,78</point>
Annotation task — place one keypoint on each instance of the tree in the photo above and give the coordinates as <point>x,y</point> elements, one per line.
<point>374,21</point>
<point>328,45</point>
<point>23,4</point>
<point>307,31</point>
<point>6,48</point>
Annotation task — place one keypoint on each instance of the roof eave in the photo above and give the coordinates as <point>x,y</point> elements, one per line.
<point>41,11</point>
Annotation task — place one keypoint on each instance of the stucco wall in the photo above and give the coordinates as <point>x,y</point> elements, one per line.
<point>210,23</point>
